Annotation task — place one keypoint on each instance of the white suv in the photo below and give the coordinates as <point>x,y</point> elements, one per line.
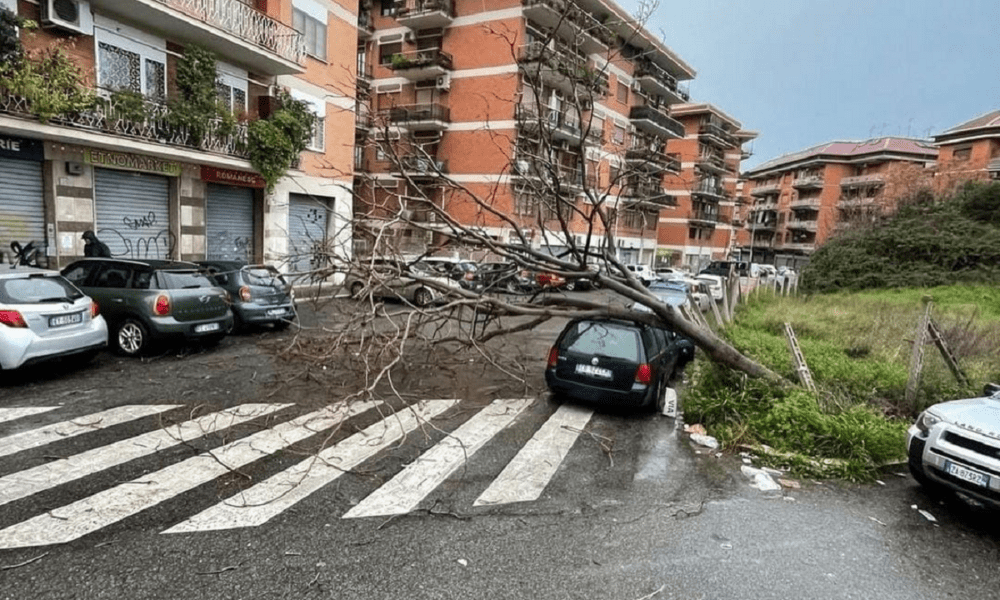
<point>643,273</point>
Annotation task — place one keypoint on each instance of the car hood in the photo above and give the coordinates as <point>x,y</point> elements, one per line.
<point>981,415</point>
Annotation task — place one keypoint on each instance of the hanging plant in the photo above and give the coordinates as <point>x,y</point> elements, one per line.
<point>128,105</point>
<point>49,81</point>
<point>196,108</point>
<point>276,142</point>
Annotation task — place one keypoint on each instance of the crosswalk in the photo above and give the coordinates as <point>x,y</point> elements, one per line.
<point>522,480</point>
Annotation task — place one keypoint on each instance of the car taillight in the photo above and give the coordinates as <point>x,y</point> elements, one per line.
<point>644,374</point>
<point>553,358</point>
<point>469,276</point>
<point>12,318</point>
<point>245,293</point>
<point>94,309</point>
<point>161,307</point>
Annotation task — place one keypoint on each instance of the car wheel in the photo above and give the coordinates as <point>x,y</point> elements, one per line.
<point>356,288</point>
<point>132,337</point>
<point>422,297</point>
<point>915,461</point>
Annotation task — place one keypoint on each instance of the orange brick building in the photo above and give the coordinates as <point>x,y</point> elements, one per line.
<point>968,151</point>
<point>704,223</point>
<point>797,201</point>
<point>153,190</point>
<point>483,112</point>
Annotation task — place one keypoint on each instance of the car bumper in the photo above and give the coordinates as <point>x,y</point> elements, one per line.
<point>264,313</point>
<point>638,396</point>
<point>949,454</point>
<point>168,327</point>
<point>20,346</point>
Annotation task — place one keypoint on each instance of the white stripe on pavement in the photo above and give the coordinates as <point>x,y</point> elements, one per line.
<point>24,483</point>
<point>65,524</point>
<point>74,427</point>
<point>9,414</point>
<point>411,485</point>
<point>262,502</point>
<point>526,476</point>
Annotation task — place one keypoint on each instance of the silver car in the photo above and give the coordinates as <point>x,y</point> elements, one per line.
<point>44,316</point>
<point>956,445</point>
<point>412,282</point>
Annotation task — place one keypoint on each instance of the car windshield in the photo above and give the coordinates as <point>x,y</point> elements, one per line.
<point>38,290</point>
<point>180,280</point>
<point>604,340</point>
<point>264,276</point>
<point>421,269</point>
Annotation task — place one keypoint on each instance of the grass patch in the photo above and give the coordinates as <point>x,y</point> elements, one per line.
<point>857,346</point>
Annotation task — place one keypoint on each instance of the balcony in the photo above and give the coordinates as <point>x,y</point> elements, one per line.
<point>424,14</point>
<point>852,202</point>
<point>108,118</point>
<point>655,80</point>
<point>417,65</point>
<point>653,121</point>
<point>764,190</point>
<point>707,191</point>
<point>715,134</point>
<point>801,224</point>
<point>703,217</point>
<point>229,28</point>
<point>563,69</point>
<point>421,117</point>
<point>711,163</point>
<point>805,203</point>
<point>569,22</point>
<point>363,121</point>
<point>862,181</point>
<point>366,24</point>
<point>421,167</point>
<point>647,159</point>
<point>809,182</point>
<point>799,246</point>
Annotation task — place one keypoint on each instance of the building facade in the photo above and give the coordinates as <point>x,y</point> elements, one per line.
<point>151,188</point>
<point>797,201</point>
<point>478,115</point>
<point>704,223</point>
<point>968,151</point>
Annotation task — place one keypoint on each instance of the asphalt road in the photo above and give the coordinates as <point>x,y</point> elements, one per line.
<point>633,510</point>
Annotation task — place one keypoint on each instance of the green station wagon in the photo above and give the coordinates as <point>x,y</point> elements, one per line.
<point>146,301</point>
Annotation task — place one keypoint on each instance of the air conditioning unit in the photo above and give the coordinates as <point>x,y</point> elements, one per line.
<point>409,37</point>
<point>443,82</point>
<point>69,15</point>
<point>635,86</point>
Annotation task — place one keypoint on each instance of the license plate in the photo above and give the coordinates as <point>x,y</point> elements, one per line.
<point>980,479</point>
<point>206,327</point>
<point>275,312</point>
<point>593,371</point>
<point>61,320</point>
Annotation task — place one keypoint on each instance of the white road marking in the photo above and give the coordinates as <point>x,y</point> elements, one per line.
<point>526,476</point>
<point>9,414</point>
<point>24,483</point>
<point>65,524</point>
<point>78,426</point>
<point>411,485</point>
<point>262,502</point>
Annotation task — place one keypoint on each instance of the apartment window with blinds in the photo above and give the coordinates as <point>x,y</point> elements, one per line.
<point>121,69</point>
<point>318,140</point>
<point>314,32</point>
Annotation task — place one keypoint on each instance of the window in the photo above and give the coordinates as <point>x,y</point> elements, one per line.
<point>125,65</point>
<point>386,52</point>
<point>318,107</point>
<point>314,31</point>
<point>231,85</point>
<point>388,8</point>
<point>618,136</point>
<point>622,92</point>
<point>962,153</point>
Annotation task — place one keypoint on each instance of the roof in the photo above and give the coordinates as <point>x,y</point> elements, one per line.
<point>850,150</point>
<point>990,119</point>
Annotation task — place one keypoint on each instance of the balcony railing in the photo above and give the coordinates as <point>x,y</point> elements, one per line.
<point>715,192</point>
<point>763,190</point>
<point>424,14</point>
<point>808,182</point>
<point>813,203</point>
<point>108,116</point>
<point>434,115</point>
<point>712,162</point>
<point>714,131</point>
<point>247,23</point>
<point>807,225</point>
<point>570,21</point>
<point>704,216</point>
<point>862,181</point>
<point>649,159</point>
<point>419,165</point>
<point>652,120</point>
<point>421,64</point>
<point>656,79</point>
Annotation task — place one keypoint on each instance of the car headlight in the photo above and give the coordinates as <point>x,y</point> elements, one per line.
<point>926,420</point>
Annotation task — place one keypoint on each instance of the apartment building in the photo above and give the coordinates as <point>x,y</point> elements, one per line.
<point>151,188</point>
<point>798,200</point>
<point>517,119</point>
<point>968,151</point>
<point>704,223</point>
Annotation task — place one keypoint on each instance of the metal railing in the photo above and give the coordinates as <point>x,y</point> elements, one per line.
<point>419,112</point>
<point>862,180</point>
<point>417,59</point>
<point>661,120</point>
<point>247,23</point>
<point>647,68</point>
<point>411,8</point>
<point>717,131</point>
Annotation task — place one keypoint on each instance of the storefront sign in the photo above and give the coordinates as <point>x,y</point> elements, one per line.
<point>25,149</point>
<point>231,177</point>
<point>131,162</point>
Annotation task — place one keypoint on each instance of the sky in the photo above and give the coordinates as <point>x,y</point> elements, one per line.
<point>805,72</point>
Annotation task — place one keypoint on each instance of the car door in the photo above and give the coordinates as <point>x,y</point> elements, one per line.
<point>109,288</point>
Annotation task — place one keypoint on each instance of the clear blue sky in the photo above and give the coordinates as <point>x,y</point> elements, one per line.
<point>804,72</point>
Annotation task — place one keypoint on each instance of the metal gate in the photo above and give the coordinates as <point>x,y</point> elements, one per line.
<point>229,223</point>
<point>22,208</point>
<point>133,215</point>
<point>307,218</point>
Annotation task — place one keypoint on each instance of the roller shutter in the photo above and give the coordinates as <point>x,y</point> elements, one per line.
<point>229,223</point>
<point>22,216</point>
<point>307,217</point>
<point>133,215</point>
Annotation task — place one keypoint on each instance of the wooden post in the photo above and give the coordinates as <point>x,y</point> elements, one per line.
<point>949,357</point>
<point>917,354</point>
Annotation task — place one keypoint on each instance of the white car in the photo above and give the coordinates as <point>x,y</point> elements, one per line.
<point>643,273</point>
<point>715,285</point>
<point>44,316</point>
<point>956,445</point>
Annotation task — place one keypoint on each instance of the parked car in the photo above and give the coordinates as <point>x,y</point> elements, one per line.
<point>956,445</point>
<point>672,293</point>
<point>643,273</point>
<point>43,316</point>
<point>464,271</point>
<point>148,301</point>
<point>665,273</point>
<point>618,362</point>
<point>259,293</point>
<point>411,281</point>
<point>505,277</point>
<point>716,285</point>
